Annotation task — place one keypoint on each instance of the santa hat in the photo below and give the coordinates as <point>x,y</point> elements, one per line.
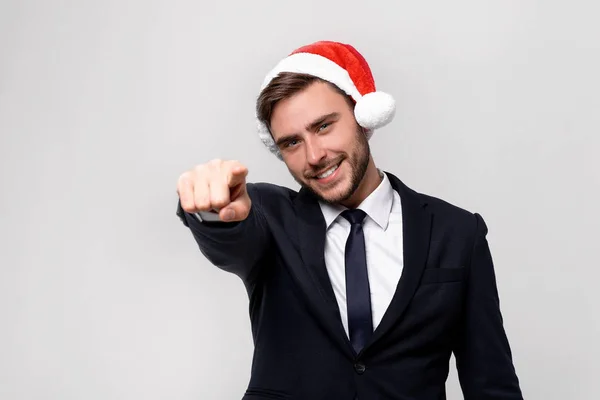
<point>343,66</point>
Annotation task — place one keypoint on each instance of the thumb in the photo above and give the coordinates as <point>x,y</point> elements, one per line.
<point>237,210</point>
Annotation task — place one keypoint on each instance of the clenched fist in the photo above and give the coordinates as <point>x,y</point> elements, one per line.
<point>218,186</point>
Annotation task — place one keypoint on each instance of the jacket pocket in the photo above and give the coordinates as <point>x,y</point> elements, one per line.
<point>441,275</point>
<point>263,393</point>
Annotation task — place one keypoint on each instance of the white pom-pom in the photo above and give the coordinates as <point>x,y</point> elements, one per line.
<point>375,110</point>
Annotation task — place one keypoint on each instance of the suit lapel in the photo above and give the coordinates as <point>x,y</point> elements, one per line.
<point>416,230</point>
<point>312,274</point>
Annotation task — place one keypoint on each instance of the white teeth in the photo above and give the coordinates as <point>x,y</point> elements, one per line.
<point>328,172</point>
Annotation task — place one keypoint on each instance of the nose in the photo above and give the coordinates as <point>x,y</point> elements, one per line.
<point>315,152</point>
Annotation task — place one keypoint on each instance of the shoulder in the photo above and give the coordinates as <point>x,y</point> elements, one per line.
<point>442,207</point>
<point>450,216</point>
<point>467,221</point>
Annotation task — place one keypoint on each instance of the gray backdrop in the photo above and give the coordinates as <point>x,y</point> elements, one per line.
<point>103,292</point>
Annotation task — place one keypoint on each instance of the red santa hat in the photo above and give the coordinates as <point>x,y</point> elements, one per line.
<point>343,66</point>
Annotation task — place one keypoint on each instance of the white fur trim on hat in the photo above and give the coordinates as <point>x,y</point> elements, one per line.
<point>316,65</point>
<point>267,139</point>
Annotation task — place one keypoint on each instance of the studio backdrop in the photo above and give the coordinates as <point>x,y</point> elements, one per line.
<point>104,294</point>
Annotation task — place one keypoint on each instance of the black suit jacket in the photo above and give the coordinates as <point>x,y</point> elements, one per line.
<point>446,302</point>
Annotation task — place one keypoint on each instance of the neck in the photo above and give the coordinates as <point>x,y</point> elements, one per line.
<point>369,183</point>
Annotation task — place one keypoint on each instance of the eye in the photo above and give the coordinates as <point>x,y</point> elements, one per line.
<point>324,126</point>
<point>290,143</point>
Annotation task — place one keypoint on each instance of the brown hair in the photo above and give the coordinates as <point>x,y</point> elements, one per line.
<point>283,86</point>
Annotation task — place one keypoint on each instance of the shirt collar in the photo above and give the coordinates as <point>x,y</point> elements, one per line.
<point>377,205</point>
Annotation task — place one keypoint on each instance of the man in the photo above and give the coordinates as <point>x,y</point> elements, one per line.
<point>359,287</point>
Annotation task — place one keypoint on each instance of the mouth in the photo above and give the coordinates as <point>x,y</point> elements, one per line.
<point>328,174</point>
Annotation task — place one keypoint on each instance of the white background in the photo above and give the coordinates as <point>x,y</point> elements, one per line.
<point>103,292</point>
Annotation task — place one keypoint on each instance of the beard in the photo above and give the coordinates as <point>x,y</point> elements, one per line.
<point>358,160</point>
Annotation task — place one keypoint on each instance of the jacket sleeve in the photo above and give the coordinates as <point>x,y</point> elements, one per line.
<point>234,247</point>
<point>483,355</point>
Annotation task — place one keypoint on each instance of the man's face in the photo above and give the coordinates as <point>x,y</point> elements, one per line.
<point>323,147</point>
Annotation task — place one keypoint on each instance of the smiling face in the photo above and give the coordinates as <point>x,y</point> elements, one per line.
<point>322,145</point>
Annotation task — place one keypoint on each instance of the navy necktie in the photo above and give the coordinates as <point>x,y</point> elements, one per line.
<point>358,294</point>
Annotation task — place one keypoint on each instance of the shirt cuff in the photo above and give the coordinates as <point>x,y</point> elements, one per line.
<point>207,216</point>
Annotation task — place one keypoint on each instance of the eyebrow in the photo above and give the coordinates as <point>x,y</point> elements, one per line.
<point>311,127</point>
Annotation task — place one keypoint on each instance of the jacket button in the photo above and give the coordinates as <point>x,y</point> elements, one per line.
<point>360,368</point>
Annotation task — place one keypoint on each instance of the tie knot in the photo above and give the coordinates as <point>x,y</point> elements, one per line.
<point>355,216</point>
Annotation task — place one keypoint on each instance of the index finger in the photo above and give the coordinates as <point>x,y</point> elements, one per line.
<point>236,174</point>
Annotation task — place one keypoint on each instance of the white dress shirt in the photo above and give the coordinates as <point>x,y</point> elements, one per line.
<point>383,245</point>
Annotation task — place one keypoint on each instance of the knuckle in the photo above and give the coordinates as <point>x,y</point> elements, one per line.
<point>199,170</point>
<point>215,162</point>
<point>219,201</point>
<point>183,178</point>
<point>234,163</point>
